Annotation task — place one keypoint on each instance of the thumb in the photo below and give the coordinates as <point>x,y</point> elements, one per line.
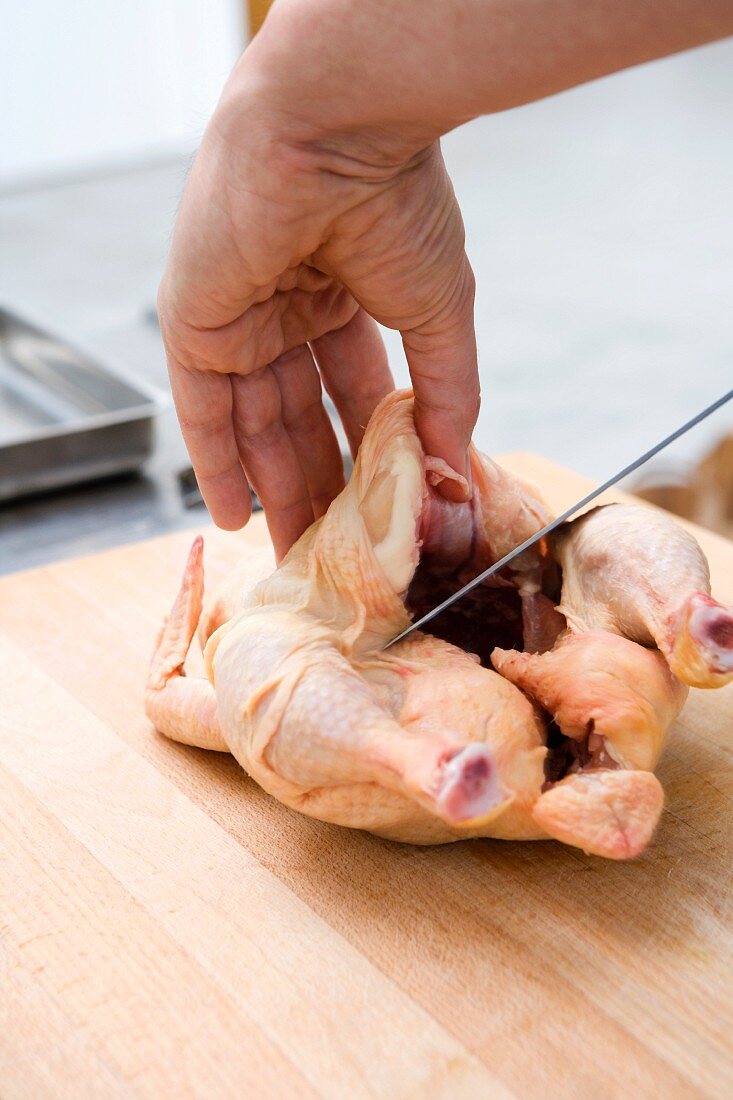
<point>441,355</point>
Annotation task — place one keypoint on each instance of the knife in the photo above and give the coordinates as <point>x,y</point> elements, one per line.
<point>550,527</point>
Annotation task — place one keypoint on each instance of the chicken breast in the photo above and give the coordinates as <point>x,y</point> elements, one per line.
<point>539,707</point>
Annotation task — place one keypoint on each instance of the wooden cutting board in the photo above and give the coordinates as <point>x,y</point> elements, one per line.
<point>168,930</point>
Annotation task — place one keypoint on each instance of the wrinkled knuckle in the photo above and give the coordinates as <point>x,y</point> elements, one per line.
<point>472,391</point>
<point>178,337</point>
<point>459,303</point>
<point>472,408</point>
<point>167,319</point>
<point>269,436</point>
<point>469,284</point>
<point>306,421</point>
<point>206,476</point>
<point>201,425</point>
<point>264,435</point>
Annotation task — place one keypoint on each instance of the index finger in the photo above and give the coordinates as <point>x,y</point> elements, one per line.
<point>204,405</point>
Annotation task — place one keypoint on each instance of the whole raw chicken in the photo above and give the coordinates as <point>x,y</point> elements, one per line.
<point>593,638</point>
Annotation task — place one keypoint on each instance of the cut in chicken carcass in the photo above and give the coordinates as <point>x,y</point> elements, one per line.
<point>426,742</point>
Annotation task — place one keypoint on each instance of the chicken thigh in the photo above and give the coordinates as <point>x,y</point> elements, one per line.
<point>426,741</point>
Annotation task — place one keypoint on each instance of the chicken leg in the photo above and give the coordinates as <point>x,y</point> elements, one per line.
<point>639,574</point>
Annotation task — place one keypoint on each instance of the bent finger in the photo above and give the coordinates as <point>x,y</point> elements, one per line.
<point>355,371</point>
<point>269,458</point>
<point>309,427</point>
<point>443,362</point>
<point>203,401</point>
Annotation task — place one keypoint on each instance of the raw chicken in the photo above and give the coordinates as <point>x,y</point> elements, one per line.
<point>426,742</point>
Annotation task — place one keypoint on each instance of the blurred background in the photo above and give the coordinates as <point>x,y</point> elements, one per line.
<point>598,223</point>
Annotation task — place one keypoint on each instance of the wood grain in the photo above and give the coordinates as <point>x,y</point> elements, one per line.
<point>255,13</point>
<point>170,930</point>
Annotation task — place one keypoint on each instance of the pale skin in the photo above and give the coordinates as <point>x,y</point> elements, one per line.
<point>319,204</point>
<point>421,742</point>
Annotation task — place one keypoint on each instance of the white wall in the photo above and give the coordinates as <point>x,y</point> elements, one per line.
<point>88,82</point>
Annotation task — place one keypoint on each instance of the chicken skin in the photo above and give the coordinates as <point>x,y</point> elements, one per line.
<point>538,708</point>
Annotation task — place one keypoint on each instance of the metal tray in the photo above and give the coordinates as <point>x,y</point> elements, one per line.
<point>65,418</point>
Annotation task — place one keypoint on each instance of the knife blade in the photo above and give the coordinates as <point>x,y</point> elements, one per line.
<point>566,515</point>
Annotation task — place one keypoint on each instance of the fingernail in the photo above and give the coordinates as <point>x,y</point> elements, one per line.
<point>459,490</point>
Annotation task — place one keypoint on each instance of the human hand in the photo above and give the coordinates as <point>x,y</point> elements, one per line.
<point>283,255</point>
<point>319,202</point>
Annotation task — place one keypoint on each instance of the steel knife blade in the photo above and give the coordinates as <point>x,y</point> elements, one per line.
<point>566,515</point>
